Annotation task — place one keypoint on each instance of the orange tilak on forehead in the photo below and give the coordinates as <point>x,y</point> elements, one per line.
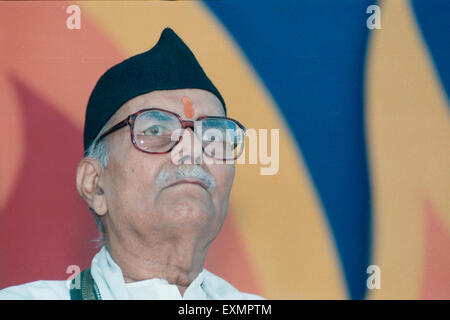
<point>188,109</point>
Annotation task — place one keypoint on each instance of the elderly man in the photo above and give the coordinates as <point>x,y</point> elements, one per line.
<point>157,175</point>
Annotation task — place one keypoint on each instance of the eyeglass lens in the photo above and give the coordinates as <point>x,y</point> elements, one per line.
<point>221,138</point>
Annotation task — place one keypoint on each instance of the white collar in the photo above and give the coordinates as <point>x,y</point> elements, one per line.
<point>156,289</point>
<point>111,284</point>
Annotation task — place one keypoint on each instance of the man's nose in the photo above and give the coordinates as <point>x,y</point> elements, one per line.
<point>189,150</point>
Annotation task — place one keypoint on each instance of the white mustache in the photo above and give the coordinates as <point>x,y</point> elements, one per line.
<point>167,177</point>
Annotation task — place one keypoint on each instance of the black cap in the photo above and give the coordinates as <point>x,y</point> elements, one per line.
<point>170,64</point>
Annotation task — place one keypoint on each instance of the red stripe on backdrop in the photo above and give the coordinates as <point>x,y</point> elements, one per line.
<point>61,64</point>
<point>44,225</point>
<point>436,280</point>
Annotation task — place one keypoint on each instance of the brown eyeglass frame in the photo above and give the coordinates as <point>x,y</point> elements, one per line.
<point>185,124</point>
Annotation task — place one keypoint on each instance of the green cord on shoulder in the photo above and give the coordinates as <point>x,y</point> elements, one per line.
<point>86,288</point>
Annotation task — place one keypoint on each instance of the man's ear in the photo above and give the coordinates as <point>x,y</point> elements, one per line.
<point>89,172</point>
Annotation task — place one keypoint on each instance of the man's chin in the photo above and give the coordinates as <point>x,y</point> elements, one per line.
<point>195,202</point>
<point>186,218</point>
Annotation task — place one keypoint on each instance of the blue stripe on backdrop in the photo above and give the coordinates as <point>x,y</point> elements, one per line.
<point>310,55</point>
<point>433,19</point>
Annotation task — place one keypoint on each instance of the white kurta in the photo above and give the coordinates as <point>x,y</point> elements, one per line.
<point>109,279</point>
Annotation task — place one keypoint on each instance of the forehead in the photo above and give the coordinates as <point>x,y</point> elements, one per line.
<point>204,103</point>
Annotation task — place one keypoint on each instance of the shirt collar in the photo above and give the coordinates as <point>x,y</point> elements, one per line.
<point>109,279</point>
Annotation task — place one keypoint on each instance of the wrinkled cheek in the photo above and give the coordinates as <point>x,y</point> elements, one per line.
<point>228,178</point>
<point>224,180</point>
<point>222,203</point>
<point>121,193</point>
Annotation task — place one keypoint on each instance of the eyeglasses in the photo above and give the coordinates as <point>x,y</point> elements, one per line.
<point>158,131</point>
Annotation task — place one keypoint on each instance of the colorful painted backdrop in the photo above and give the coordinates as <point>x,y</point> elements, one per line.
<point>364,175</point>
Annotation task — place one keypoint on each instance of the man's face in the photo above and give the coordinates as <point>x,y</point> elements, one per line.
<point>137,202</point>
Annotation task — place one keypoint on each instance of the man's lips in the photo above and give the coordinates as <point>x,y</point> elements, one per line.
<point>195,182</point>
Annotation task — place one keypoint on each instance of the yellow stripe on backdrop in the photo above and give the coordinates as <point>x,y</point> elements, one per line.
<point>409,134</point>
<point>279,218</point>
